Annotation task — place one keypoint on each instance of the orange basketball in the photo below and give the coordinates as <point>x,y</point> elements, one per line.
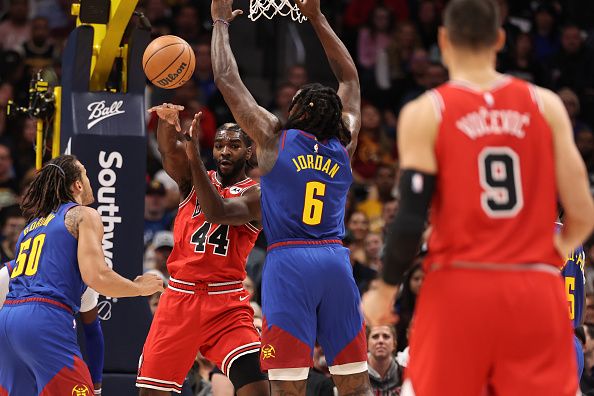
<point>168,62</point>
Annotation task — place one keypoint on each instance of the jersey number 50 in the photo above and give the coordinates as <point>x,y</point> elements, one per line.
<point>29,257</point>
<point>500,178</point>
<point>313,207</point>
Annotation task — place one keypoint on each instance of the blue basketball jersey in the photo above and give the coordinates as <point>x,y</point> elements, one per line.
<point>573,273</point>
<point>304,195</point>
<point>46,265</point>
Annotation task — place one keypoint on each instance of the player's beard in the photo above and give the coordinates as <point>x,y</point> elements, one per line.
<point>237,168</point>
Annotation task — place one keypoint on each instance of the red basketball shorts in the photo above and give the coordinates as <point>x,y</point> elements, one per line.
<point>492,332</point>
<point>215,319</point>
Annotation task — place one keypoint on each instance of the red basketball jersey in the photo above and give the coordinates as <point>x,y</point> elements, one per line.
<point>496,194</point>
<point>210,252</point>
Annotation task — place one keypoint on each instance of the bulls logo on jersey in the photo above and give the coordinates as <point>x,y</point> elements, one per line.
<point>197,209</point>
<point>235,190</point>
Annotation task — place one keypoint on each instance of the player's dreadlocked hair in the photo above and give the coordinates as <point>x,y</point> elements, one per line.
<point>51,187</point>
<point>230,126</point>
<point>318,110</point>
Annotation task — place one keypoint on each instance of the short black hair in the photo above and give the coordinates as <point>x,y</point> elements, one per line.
<point>233,127</point>
<point>472,23</point>
<point>10,212</point>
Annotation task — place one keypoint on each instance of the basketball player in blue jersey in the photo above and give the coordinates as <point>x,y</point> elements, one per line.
<point>308,290</point>
<point>58,252</point>
<point>573,274</point>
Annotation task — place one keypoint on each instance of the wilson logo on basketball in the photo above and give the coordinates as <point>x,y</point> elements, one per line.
<point>171,77</point>
<point>99,111</point>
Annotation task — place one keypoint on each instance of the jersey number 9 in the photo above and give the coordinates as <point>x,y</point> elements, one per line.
<point>313,207</point>
<point>29,255</point>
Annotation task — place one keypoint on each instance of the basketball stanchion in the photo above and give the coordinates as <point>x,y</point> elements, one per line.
<point>103,124</point>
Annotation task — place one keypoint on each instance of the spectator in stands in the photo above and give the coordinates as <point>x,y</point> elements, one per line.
<point>40,51</point>
<point>428,22</point>
<point>6,94</point>
<point>15,29</point>
<point>13,223</point>
<point>156,217</point>
<point>405,304</point>
<point>584,140</point>
<point>358,228</point>
<point>544,32</point>
<point>380,192</point>
<point>162,246</point>
<point>9,185</point>
<point>186,24</point>
<point>405,41</point>
<point>572,105</point>
<point>587,381</point>
<point>384,372</point>
<point>156,10</point>
<point>520,62</point>
<point>374,243</point>
<point>572,65</point>
<point>282,100</point>
<point>297,75</point>
<point>373,39</point>
<point>203,73</point>
<point>389,212</point>
<point>511,30</point>
<point>358,11</point>
<point>589,311</point>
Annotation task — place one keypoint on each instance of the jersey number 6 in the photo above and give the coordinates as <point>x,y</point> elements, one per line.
<point>313,207</point>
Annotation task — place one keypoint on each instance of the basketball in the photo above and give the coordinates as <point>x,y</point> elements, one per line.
<point>168,62</point>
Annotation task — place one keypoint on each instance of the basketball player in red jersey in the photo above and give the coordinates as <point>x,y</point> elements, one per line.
<point>205,307</point>
<point>492,154</point>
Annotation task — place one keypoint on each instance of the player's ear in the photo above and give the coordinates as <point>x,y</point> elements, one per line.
<point>77,187</point>
<point>248,153</point>
<point>500,43</point>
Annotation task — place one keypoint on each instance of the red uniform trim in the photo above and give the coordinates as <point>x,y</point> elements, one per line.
<point>159,384</point>
<point>205,287</point>
<point>41,300</point>
<point>9,268</point>
<point>304,242</point>
<point>283,140</point>
<point>308,135</point>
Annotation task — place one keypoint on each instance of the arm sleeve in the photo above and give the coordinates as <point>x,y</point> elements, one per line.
<point>95,349</point>
<point>88,300</point>
<point>406,231</point>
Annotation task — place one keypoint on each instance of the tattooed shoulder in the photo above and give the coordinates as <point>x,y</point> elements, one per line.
<point>73,219</point>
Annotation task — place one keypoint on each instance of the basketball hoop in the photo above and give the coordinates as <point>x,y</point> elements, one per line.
<point>269,8</point>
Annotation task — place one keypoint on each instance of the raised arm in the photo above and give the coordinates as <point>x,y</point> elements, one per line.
<point>172,152</point>
<point>85,224</point>
<point>218,210</point>
<point>261,125</point>
<point>343,66</point>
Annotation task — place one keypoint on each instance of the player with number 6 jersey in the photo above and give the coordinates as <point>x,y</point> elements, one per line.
<point>205,307</point>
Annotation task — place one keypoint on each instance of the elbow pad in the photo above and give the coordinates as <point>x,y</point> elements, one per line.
<point>405,232</point>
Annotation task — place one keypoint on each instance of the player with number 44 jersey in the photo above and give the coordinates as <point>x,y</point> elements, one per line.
<point>205,307</point>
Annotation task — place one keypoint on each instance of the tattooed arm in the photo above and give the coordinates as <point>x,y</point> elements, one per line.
<point>343,66</point>
<point>85,224</point>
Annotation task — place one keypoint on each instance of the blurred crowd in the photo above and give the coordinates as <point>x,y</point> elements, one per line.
<point>394,44</point>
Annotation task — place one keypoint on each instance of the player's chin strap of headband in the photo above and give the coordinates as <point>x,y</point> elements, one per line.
<point>406,231</point>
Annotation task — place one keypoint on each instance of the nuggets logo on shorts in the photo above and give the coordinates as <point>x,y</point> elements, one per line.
<point>268,352</point>
<point>80,390</point>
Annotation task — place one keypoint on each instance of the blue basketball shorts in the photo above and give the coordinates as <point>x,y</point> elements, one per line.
<point>309,295</point>
<point>40,354</point>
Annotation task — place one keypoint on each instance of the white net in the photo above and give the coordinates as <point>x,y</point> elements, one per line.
<point>270,8</point>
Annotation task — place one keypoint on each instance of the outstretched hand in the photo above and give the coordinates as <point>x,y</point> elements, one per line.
<point>223,9</point>
<point>309,8</point>
<point>169,113</point>
<point>378,305</point>
<point>192,136</point>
